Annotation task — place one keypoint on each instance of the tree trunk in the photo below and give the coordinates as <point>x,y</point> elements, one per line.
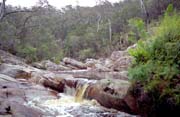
<point>144,10</point>
<point>2,9</point>
<point>98,22</point>
<point>110,31</point>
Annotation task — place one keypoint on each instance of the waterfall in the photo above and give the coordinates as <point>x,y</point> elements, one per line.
<point>80,92</point>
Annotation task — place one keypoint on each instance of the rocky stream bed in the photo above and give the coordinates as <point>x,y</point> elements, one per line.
<point>97,88</point>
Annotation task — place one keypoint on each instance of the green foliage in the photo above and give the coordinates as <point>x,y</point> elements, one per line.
<point>74,29</point>
<point>157,60</point>
<point>28,52</point>
<point>86,53</point>
<point>58,57</point>
<point>138,29</point>
<point>169,9</point>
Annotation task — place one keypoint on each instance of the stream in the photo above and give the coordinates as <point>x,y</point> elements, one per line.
<point>71,103</point>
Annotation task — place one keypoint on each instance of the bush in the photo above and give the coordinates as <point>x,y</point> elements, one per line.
<point>27,52</point>
<point>157,61</point>
<point>137,29</point>
<point>86,53</point>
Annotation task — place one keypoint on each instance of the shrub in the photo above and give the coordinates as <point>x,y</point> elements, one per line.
<point>86,53</point>
<point>137,29</point>
<point>157,60</point>
<point>28,52</point>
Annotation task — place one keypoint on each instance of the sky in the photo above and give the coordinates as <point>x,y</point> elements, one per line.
<point>56,3</point>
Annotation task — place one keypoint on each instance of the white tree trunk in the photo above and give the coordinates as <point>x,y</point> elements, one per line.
<point>98,22</point>
<point>110,31</point>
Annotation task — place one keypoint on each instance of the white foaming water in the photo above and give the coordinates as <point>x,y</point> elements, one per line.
<point>63,106</point>
<point>71,104</point>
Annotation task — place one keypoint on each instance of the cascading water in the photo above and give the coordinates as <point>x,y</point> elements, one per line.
<point>80,93</point>
<point>72,104</point>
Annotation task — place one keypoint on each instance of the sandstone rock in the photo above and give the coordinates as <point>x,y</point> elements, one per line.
<point>108,63</point>
<point>14,96</point>
<point>95,75</point>
<point>36,77</point>
<point>75,63</point>
<point>122,63</point>
<point>5,78</point>
<point>38,65</point>
<point>91,62</point>
<point>101,68</point>
<point>117,54</point>
<point>99,65</point>
<point>48,65</point>
<point>16,71</point>
<point>110,94</point>
<point>9,58</point>
<point>17,110</point>
<point>55,85</point>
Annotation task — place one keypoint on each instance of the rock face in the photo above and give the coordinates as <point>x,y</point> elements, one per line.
<point>15,71</point>
<point>48,65</point>
<point>110,93</point>
<point>13,97</point>
<point>9,58</point>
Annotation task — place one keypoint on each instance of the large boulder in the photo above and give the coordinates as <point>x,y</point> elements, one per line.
<point>75,63</point>
<point>110,93</point>
<point>16,97</point>
<point>12,98</point>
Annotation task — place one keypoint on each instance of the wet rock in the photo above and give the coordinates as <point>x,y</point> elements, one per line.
<point>110,93</point>
<point>131,102</point>
<point>55,85</point>
<point>71,83</point>
<point>17,110</point>
<point>145,103</point>
<point>75,63</point>
<point>15,94</point>
<point>40,92</point>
